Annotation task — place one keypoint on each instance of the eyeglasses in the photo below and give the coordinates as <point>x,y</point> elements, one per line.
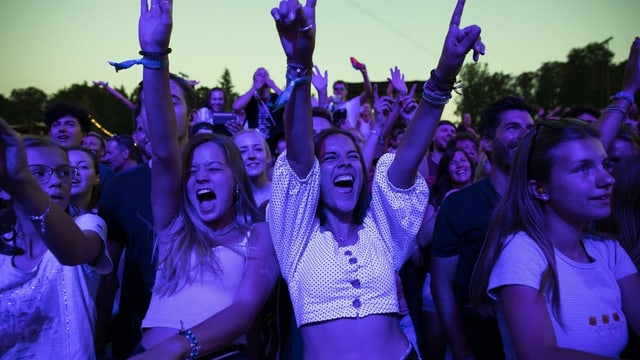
<point>43,173</point>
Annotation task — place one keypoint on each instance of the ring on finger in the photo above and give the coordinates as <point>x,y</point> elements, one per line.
<point>306,28</point>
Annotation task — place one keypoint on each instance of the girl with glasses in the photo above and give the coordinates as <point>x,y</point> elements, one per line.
<point>50,262</point>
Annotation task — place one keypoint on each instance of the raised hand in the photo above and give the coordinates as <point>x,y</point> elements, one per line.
<point>319,80</point>
<point>296,27</point>
<point>457,44</point>
<point>387,110</point>
<point>408,105</point>
<point>154,26</point>
<point>631,77</point>
<point>13,159</point>
<point>397,81</point>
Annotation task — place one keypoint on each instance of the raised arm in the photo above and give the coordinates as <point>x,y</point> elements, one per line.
<point>437,92</point>
<point>386,115</point>
<point>320,82</point>
<point>154,31</point>
<point>297,30</point>
<point>115,93</point>
<point>69,244</point>
<point>243,100</point>
<point>367,90</point>
<point>615,114</point>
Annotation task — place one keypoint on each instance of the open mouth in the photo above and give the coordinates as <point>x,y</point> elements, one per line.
<point>344,182</point>
<point>205,195</point>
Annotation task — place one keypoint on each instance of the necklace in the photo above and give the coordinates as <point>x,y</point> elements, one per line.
<point>224,231</point>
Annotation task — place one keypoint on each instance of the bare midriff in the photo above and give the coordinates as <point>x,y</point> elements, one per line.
<point>372,337</point>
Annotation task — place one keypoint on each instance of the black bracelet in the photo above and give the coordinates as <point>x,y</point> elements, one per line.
<point>154,55</point>
<point>295,71</point>
<point>442,83</point>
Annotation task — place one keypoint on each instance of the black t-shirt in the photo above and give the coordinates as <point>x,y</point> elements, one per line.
<point>263,115</point>
<point>126,208</point>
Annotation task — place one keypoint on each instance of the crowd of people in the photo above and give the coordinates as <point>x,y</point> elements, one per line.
<point>294,226</point>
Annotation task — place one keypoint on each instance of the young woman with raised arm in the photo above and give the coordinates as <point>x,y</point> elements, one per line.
<point>338,252</point>
<point>216,264</point>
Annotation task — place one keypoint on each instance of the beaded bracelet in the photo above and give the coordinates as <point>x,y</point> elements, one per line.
<point>42,218</point>
<point>193,342</point>
<point>434,95</point>
<point>154,55</point>
<point>615,108</point>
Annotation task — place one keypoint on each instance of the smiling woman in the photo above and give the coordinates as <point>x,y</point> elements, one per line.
<point>539,261</point>
<point>85,186</point>
<point>338,251</point>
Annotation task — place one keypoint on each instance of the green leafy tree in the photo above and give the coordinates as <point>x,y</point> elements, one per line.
<point>587,76</point>
<point>226,84</point>
<point>26,110</point>
<point>102,106</point>
<point>480,88</point>
<point>549,84</point>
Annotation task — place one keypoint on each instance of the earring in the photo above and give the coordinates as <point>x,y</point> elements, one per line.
<point>544,197</point>
<point>236,190</point>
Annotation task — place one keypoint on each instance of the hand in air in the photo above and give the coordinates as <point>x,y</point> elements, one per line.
<point>297,30</point>
<point>397,81</point>
<point>457,44</point>
<point>154,26</point>
<point>13,158</point>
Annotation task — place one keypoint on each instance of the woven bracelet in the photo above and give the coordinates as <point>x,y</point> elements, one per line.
<point>154,55</point>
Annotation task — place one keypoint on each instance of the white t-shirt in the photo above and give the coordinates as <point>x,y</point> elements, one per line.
<point>49,312</point>
<point>353,110</point>
<point>590,303</point>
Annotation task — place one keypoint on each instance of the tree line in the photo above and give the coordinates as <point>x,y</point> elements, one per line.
<point>588,76</point>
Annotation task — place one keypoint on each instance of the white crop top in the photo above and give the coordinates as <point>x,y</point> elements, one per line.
<point>328,282</point>
<point>203,298</point>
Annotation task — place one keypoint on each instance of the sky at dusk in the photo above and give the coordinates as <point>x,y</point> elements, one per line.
<point>51,44</point>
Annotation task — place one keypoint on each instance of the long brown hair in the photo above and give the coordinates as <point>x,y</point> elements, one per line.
<point>520,211</point>
<point>625,206</point>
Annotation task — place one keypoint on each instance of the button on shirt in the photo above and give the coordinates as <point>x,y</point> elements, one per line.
<point>327,281</point>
